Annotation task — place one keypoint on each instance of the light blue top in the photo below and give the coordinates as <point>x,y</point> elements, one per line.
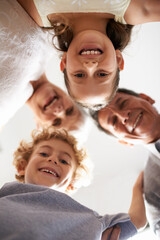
<point>35,212</point>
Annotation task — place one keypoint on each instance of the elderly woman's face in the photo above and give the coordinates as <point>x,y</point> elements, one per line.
<point>52,106</point>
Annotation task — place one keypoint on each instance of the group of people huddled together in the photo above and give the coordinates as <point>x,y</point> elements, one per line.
<point>90,35</point>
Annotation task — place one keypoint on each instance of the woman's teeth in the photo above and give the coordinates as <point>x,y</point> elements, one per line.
<point>91,52</point>
<point>51,102</point>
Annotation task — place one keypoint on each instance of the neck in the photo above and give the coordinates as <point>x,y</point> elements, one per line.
<point>156,131</point>
<point>82,22</point>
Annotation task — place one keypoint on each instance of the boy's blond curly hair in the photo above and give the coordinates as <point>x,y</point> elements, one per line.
<point>82,174</point>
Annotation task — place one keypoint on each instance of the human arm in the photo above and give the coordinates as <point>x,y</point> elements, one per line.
<point>142,11</point>
<point>137,208</point>
<point>113,232</point>
<point>31,9</point>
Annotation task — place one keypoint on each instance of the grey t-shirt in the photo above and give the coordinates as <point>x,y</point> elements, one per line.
<point>152,189</point>
<point>35,212</point>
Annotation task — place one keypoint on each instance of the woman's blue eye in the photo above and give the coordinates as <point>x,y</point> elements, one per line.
<point>44,154</point>
<point>102,74</point>
<point>79,75</point>
<point>63,161</point>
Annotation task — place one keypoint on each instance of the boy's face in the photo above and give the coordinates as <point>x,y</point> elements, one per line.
<point>52,106</point>
<point>51,164</point>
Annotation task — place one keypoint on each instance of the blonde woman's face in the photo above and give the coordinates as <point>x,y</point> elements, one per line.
<point>51,164</point>
<point>53,107</point>
<point>91,64</point>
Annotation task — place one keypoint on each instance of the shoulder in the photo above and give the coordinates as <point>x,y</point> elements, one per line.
<point>142,11</point>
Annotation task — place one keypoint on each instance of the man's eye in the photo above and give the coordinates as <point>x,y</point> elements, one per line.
<point>57,122</point>
<point>69,111</point>
<point>114,121</point>
<point>43,154</point>
<point>79,75</point>
<point>63,161</point>
<point>122,104</point>
<point>102,74</point>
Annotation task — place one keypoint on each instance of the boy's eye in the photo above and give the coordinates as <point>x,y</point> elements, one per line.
<point>79,75</point>
<point>44,154</point>
<point>63,161</point>
<point>57,122</point>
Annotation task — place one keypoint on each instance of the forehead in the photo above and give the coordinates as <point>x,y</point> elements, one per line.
<point>57,145</point>
<point>121,95</point>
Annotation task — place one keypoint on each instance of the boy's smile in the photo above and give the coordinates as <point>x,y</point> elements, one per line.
<point>51,164</point>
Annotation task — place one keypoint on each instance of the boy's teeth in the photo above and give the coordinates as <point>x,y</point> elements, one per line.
<point>49,171</point>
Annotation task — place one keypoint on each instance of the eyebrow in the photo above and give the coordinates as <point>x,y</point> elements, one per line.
<point>66,153</point>
<point>45,146</point>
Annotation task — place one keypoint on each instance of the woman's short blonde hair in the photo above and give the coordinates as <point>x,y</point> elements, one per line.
<point>82,174</point>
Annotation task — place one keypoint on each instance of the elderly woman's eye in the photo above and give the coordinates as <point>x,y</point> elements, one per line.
<point>57,122</point>
<point>69,111</point>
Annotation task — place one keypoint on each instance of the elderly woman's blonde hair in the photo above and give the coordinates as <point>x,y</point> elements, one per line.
<point>82,174</point>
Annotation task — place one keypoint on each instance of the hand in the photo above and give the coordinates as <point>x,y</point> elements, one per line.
<point>113,232</point>
<point>137,209</point>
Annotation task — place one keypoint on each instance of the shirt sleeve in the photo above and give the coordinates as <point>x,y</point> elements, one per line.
<point>123,221</point>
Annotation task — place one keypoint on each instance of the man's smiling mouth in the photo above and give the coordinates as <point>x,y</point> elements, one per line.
<point>137,121</point>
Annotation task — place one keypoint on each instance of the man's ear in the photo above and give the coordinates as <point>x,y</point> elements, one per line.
<point>22,167</point>
<point>120,60</point>
<point>63,62</point>
<point>147,98</point>
<point>125,143</point>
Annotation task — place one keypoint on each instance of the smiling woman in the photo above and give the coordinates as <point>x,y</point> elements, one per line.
<point>52,106</point>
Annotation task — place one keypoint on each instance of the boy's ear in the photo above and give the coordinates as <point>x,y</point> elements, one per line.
<point>125,143</point>
<point>120,60</point>
<point>70,187</point>
<point>63,62</point>
<point>147,98</point>
<point>21,167</point>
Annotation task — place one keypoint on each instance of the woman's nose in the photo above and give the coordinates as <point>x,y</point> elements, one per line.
<point>90,65</point>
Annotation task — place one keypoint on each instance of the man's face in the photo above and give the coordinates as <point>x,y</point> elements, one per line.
<point>130,118</point>
<point>52,106</point>
<point>51,164</point>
